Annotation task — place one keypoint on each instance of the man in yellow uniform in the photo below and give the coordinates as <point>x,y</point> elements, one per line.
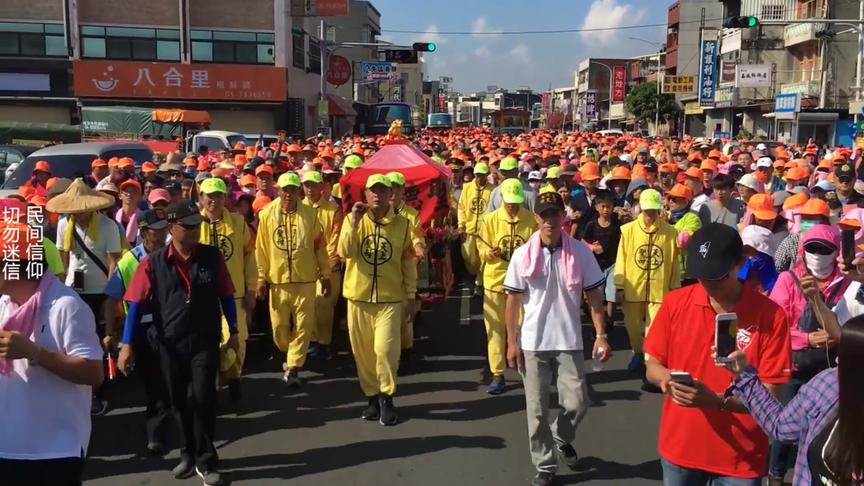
<point>397,184</point>
<point>501,232</point>
<point>230,233</point>
<point>646,268</point>
<point>330,219</point>
<point>292,256</point>
<point>380,285</point>
<point>472,206</point>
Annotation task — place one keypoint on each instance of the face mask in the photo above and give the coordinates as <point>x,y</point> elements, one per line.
<point>248,190</point>
<point>821,265</point>
<point>806,225</point>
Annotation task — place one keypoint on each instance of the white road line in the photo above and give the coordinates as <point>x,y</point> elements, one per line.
<point>465,307</point>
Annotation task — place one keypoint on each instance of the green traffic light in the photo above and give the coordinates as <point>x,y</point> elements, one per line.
<point>752,21</point>
<point>432,47</point>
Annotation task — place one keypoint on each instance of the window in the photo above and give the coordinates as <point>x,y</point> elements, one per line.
<point>314,56</point>
<point>232,47</point>
<point>772,12</point>
<point>141,44</point>
<point>298,42</point>
<point>32,39</point>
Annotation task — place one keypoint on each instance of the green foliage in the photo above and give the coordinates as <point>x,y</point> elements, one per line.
<point>641,101</point>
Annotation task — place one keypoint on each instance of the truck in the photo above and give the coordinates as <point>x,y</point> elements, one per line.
<point>439,121</point>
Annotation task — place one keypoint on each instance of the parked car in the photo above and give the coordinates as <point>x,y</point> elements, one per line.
<point>214,140</point>
<point>73,160</point>
<point>11,155</point>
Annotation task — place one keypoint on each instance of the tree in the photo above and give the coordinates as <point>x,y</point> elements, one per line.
<point>641,101</point>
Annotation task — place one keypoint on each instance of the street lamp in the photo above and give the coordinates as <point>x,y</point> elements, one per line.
<point>660,48</point>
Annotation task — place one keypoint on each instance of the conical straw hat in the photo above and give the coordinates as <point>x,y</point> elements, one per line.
<point>79,198</point>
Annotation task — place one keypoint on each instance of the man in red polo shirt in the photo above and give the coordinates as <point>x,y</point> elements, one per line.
<point>707,436</point>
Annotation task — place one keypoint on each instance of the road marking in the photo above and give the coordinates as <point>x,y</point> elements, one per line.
<point>465,307</point>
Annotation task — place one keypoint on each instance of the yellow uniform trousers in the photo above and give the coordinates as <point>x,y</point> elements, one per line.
<point>292,315</point>
<point>638,317</point>
<point>324,307</point>
<point>494,304</point>
<point>236,369</point>
<point>470,254</point>
<point>374,333</point>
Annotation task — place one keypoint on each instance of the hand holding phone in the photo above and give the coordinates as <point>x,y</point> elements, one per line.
<point>724,337</point>
<point>848,246</point>
<point>681,377</point>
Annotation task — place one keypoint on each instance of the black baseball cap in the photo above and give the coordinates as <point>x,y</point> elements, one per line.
<point>651,166</point>
<point>844,171</point>
<point>183,212</point>
<point>173,187</point>
<point>713,251</point>
<point>547,201</point>
<point>152,220</point>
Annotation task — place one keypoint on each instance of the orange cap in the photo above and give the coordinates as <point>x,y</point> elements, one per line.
<point>816,207</point>
<point>113,161</point>
<point>680,190</point>
<point>39,200</point>
<point>779,164</point>
<point>826,164</point>
<point>293,148</point>
<point>639,171</point>
<point>98,163</point>
<point>795,201</point>
<point>248,180</point>
<point>694,156</point>
<point>694,173</point>
<point>130,183</point>
<point>708,164</point>
<point>148,167</point>
<point>590,172</point>
<point>619,173</point>
<point>762,207</point>
<point>259,203</point>
<point>715,154</point>
<point>796,173</point>
<point>125,163</point>
<point>42,166</point>
<point>264,168</point>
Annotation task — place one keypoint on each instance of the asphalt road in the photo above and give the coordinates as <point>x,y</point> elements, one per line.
<point>450,431</point>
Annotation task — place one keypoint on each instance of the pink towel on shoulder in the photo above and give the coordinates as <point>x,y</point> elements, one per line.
<point>22,319</point>
<point>533,264</point>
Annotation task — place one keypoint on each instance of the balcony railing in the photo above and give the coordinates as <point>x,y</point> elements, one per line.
<point>804,88</point>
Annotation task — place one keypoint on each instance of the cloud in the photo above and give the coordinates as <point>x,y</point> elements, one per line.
<point>482,52</point>
<point>431,35</point>
<point>481,29</point>
<point>521,53</point>
<point>608,13</point>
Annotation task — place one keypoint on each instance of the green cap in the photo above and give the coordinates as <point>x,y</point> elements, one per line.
<point>481,168</point>
<point>352,162</point>
<point>312,176</point>
<point>378,179</point>
<point>512,191</point>
<point>288,179</point>
<point>552,172</point>
<point>509,163</point>
<point>438,159</point>
<point>396,178</point>
<point>649,199</point>
<point>213,184</point>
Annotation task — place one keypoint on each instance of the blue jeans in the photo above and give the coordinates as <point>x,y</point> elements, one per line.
<point>681,476</point>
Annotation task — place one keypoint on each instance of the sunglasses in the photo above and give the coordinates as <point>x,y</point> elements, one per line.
<point>819,249</point>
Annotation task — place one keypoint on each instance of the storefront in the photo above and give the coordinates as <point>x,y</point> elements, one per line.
<point>694,119</point>
<point>247,100</point>
<point>36,92</point>
<point>792,125</point>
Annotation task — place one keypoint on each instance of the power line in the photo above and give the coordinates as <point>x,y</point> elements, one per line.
<point>539,32</point>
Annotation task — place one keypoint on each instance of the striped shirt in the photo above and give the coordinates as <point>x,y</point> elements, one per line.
<point>799,421</point>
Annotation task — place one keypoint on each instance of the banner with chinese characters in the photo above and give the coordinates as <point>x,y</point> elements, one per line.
<point>590,105</point>
<point>682,85</point>
<point>619,83</point>
<point>163,80</point>
<point>753,75</point>
<point>707,72</point>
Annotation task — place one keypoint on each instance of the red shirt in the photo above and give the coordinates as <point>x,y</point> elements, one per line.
<point>681,337</point>
<point>140,289</point>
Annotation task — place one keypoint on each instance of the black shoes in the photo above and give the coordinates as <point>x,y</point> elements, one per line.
<point>184,470</point>
<point>373,411</point>
<point>211,478</point>
<point>388,412</point>
<point>543,478</point>
<point>569,456</point>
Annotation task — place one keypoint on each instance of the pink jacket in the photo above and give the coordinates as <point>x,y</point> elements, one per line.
<point>787,294</point>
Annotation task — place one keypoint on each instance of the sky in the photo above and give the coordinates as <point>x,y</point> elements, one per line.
<point>485,57</point>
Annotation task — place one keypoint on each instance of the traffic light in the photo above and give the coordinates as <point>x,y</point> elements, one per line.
<point>738,22</point>
<point>825,33</point>
<point>424,46</point>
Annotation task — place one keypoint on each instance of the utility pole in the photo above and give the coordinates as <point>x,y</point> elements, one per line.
<point>324,118</point>
<point>860,65</point>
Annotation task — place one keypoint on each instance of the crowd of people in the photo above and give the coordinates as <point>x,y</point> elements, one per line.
<point>160,270</point>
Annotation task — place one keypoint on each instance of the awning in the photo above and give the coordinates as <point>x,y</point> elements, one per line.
<point>181,116</point>
<point>339,106</point>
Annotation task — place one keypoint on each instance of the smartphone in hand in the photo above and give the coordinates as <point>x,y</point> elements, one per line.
<point>724,336</point>
<point>682,377</point>
<point>848,246</point>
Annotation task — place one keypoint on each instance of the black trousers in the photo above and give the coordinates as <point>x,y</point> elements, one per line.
<point>95,302</point>
<point>42,472</point>
<point>149,371</point>
<point>191,381</point>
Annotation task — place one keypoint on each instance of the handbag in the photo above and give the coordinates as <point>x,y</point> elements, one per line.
<point>808,362</point>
